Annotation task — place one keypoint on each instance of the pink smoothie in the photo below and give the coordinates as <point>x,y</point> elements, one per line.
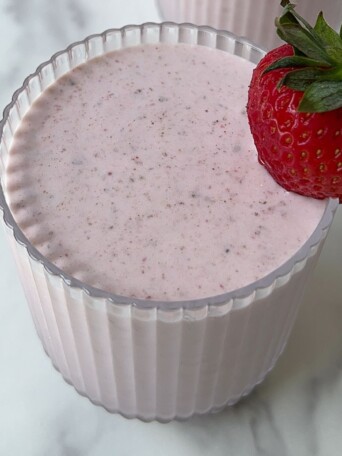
<point>137,174</point>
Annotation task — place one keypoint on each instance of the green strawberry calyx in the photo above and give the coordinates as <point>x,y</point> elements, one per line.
<point>316,63</point>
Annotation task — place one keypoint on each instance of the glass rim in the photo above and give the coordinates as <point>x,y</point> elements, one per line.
<point>237,297</point>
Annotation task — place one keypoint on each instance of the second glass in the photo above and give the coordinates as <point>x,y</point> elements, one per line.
<point>252,19</point>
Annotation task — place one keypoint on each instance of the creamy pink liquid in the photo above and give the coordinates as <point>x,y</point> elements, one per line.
<point>137,173</point>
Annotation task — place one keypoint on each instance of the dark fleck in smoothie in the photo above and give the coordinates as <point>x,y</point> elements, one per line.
<point>137,174</point>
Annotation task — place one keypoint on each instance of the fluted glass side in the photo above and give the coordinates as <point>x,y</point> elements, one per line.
<point>252,19</point>
<point>156,364</point>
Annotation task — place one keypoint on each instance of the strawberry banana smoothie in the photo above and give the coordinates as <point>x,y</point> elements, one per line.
<point>137,173</point>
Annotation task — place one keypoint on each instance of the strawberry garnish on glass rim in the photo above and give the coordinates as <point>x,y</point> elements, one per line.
<point>295,107</point>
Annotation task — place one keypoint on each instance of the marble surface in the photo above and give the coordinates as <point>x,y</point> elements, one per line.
<point>297,411</point>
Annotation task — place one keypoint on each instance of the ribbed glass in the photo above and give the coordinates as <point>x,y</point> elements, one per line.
<point>253,19</point>
<point>153,359</point>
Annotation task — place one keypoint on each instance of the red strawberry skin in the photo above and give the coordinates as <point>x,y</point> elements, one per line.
<point>302,151</point>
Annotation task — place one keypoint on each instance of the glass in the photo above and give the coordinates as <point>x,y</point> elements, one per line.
<point>153,359</point>
<point>252,19</point>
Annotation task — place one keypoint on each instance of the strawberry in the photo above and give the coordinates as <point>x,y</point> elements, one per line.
<point>295,107</point>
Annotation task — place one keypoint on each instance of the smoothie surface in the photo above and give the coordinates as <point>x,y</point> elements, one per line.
<point>137,173</point>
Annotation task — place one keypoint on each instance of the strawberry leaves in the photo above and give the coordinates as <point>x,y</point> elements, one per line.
<point>301,38</point>
<point>300,79</point>
<point>316,66</point>
<point>322,96</point>
<point>329,37</point>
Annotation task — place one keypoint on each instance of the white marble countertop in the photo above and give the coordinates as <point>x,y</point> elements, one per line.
<point>297,411</point>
